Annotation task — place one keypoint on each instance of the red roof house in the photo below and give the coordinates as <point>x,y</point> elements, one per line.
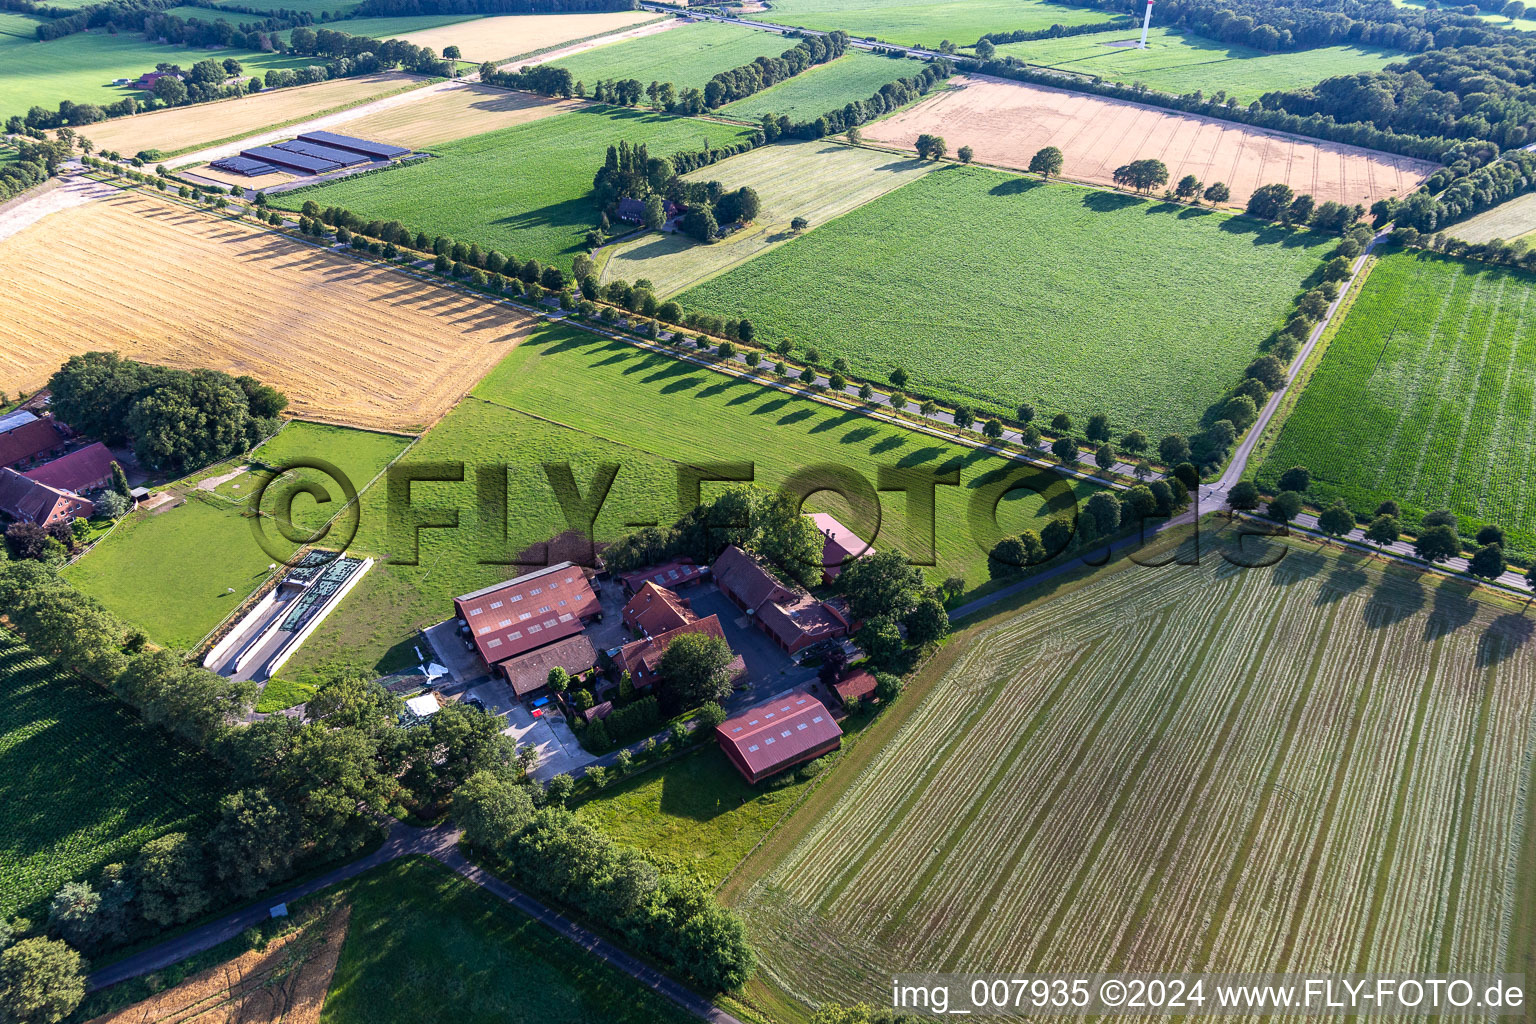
<point>656,610</point>
<point>840,545</point>
<point>83,470</point>
<point>640,658</point>
<point>529,673</point>
<point>856,685</point>
<point>528,612</point>
<point>777,734</point>
<point>31,442</point>
<point>672,575</point>
<point>27,500</point>
<point>794,618</point>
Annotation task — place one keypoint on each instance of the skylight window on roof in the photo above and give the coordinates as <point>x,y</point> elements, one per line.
<point>517,597</point>
<point>504,623</point>
<point>495,604</point>
<point>493,643</point>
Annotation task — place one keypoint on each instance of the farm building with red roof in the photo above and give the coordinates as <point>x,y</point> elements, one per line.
<point>83,470</point>
<point>656,610</point>
<point>528,612</point>
<point>27,500</point>
<point>672,575</point>
<point>641,658</point>
<point>529,673</point>
<point>840,545</point>
<point>793,618</point>
<point>778,734</point>
<point>30,442</point>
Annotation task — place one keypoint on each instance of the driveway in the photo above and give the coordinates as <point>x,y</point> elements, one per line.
<point>559,751</point>
<point>452,653</point>
<point>769,670</point>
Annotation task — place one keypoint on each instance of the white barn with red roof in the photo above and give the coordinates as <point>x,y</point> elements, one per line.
<point>528,612</point>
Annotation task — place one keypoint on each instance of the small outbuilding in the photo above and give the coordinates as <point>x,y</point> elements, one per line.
<point>778,734</point>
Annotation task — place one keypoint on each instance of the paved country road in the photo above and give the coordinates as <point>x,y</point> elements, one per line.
<point>440,842</point>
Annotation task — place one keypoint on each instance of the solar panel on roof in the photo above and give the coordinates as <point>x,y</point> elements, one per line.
<point>298,161</point>
<point>336,156</point>
<point>242,165</point>
<point>377,150</point>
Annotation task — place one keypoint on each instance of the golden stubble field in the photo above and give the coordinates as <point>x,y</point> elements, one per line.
<point>1007,122</point>
<point>349,342</point>
<point>181,128</point>
<point>454,114</point>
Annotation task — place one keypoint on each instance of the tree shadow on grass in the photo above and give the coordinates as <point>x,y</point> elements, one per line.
<point>1504,637</point>
<point>1109,202</point>
<point>1452,609</point>
<point>1346,578</point>
<point>1395,599</point>
<point>918,456</point>
<point>857,434</point>
<point>1296,567</point>
<point>794,417</point>
<point>833,422</point>
<point>1015,186</point>
<point>887,443</point>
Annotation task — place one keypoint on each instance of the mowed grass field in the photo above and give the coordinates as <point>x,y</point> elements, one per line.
<point>1313,768</point>
<point>177,572</point>
<point>992,289</point>
<point>1426,397</point>
<point>1510,220</point>
<point>81,67</point>
<point>1182,62</point>
<point>180,129</point>
<point>819,181</point>
<point>696,811</point>
<point>85,782</point>
<point>521,190</point>
<point>426,945</point>
<point>568,396</point>
<point>856,75</point>
<point>925,22</point>
<point>689,55</point>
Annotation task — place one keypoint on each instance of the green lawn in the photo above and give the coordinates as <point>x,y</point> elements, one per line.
<point>993,289</point>
<point>85,782</point>
<point>523,190</point>
<point>315,7</point>
<point>178,572</point>
<point>567,395</point>
<point>926,22</point>
<point>686,56</point>
<point>1182,62</point>
<point>1426,397</point>
<point>396,28</point>
<point>81,67</point>
<point>854,76</point>
<point>426,946</point>
<point>15,27</point>
<point>696,811</point>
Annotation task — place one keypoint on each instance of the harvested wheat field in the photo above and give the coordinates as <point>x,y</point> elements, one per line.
<point>454,114</point>
<point>1007,122</point>
<point>178,129</point>
<point>284,983</point>
<point>513,35</point>
<point>348,342</point>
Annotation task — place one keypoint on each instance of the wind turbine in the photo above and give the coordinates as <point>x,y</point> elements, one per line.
<point>1146,24</point>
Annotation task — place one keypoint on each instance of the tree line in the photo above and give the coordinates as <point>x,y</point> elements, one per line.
<point>660,910</point>
<point>377,8</point>
<point>175,419</point>
<point>1460,191</point>
<point>1350,129</point>
<point>36,161</point>
<point>343,56</point>
<point>311,790</point>
<point>1438,537</point>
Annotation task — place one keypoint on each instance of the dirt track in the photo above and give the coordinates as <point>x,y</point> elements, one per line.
<point>349,343</point>
<point>1007,122</point>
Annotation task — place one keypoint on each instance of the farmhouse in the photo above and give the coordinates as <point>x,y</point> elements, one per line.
<point>793,618</point>
<point>633,210</point>
<point>26,500</point>
<point>641,658</point>
<point>858,684</point>
<point>82,470</point>
<point>778,734</point>
<point>840,545</point>
<point>528,673</point>
<point>149,79</point>
<point>29,442</point>
<point>527,613</point>
<point>674,575</point>
<point>656,610</point>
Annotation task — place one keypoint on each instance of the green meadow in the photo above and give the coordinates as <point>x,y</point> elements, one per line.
<point>522,190</point>
<point>686,56</point>
<point>567,396</point>
<point>992,289</point>
<point>855,75</point>
<point>926,22</point>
